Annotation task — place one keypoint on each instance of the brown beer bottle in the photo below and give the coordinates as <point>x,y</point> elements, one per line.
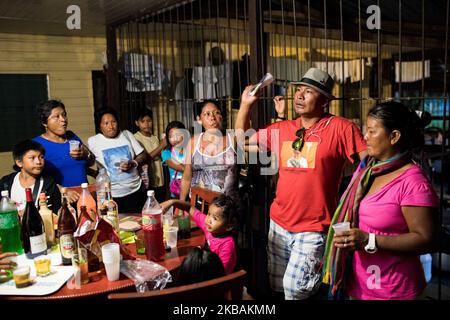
<point>93,261</point>
<point>66,228</point>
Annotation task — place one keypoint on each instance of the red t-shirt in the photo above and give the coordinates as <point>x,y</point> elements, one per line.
<point>308,182</point>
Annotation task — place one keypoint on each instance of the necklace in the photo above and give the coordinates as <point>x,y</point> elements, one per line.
<point>317,128</point>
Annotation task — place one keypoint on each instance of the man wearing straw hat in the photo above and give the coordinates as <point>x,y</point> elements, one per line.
<point>307,195</point>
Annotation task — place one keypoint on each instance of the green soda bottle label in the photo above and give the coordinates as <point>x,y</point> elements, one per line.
<point>8,220</point>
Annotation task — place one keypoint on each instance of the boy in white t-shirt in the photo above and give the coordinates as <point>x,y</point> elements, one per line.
<point>29,162</point>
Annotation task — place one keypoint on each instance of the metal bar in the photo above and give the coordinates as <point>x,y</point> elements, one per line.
<point>247,39</point>
<point>296,42</point>
<point>174,69</point>
<point>400,47</point>
<point>112,80</point>
<point>283,46</point>
<point>342,58</point>
<point>262,48</point>
<point>325,33</point>
<point>379,62</point>
<point>238,44</point>
<point>422,105</point>
<point>309,35</point>
<point>360,62</point>
<point>444,143</point>
<point>163,96</point>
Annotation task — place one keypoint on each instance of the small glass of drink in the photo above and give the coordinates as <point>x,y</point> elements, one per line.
<point>80,266</point>
<point>21,276</point>
<point>42,265</point>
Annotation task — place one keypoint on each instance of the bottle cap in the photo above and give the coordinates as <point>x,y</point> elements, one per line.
<point>42,196</point>
<point>150,193</point>
<point>84,185</point>
<point>5,193</point>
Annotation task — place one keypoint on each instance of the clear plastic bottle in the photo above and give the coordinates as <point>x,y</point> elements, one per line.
<point>9,225</point>
<point>153,229</point>
<point>86,199</point>
<point>100,181</point>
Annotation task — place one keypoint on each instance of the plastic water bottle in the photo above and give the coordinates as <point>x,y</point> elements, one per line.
<point>426,264</point>
<point>100,181</point>
<point>153,229</point>
<point>9,225</point>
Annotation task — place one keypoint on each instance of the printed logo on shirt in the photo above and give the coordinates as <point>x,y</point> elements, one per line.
<point>306,158</point>
<point>112,158</point>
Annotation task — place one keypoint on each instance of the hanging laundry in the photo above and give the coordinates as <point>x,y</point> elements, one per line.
<point>204,79</point>
<point>143,74</point>
<point>412,70</point>
<point>342,70</point>
<point>224,84</point>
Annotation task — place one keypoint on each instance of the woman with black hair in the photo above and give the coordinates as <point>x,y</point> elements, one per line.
<point>68,168</point>
<point>120,154</point>
<point>391,207</point>
<point>211,159</point>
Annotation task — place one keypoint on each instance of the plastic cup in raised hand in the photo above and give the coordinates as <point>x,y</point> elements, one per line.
<point>339,228</point>
<point>171,237</point>
<point>74,145</point>
<point>111,260</point>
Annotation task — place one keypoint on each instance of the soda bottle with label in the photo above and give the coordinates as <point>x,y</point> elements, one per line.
<point>153,229</point>
<point>9,225</point>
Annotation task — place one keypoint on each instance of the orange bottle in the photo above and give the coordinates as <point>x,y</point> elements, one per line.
<point>87,200</point>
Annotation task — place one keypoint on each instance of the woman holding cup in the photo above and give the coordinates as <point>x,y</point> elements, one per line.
<point>120,154</point>
<point>391,207</point>
<point>66,157</point>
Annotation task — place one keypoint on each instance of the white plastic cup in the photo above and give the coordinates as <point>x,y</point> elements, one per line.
<point>74,145</point>
<point>171,237</point>
<point>111,260</point>
<point>339,228</point>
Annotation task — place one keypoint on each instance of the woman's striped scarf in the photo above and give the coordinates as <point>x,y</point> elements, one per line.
<point>335,259</point>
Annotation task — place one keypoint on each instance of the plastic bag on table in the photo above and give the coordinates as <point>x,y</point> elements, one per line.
<point>147,275</point>
<point>94,234</point>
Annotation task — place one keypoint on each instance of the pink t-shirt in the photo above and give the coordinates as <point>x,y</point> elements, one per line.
<point>401,276</point>
<point>223,247</point>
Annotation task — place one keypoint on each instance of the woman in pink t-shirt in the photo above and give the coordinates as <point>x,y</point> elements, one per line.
<point>392,209</point>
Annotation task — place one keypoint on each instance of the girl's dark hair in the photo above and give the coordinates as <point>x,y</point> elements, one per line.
<point>171,125</point>
<point>44,109</point>
<point>100,113</point>
<point>143,113</point>
<point>396,116</point>
<point>230,207</point>
<point>200,265</point>
<point>21,148</point>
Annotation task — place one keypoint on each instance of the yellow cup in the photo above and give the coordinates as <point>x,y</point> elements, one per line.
<point>21,276</point>
<point>42,265</point>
